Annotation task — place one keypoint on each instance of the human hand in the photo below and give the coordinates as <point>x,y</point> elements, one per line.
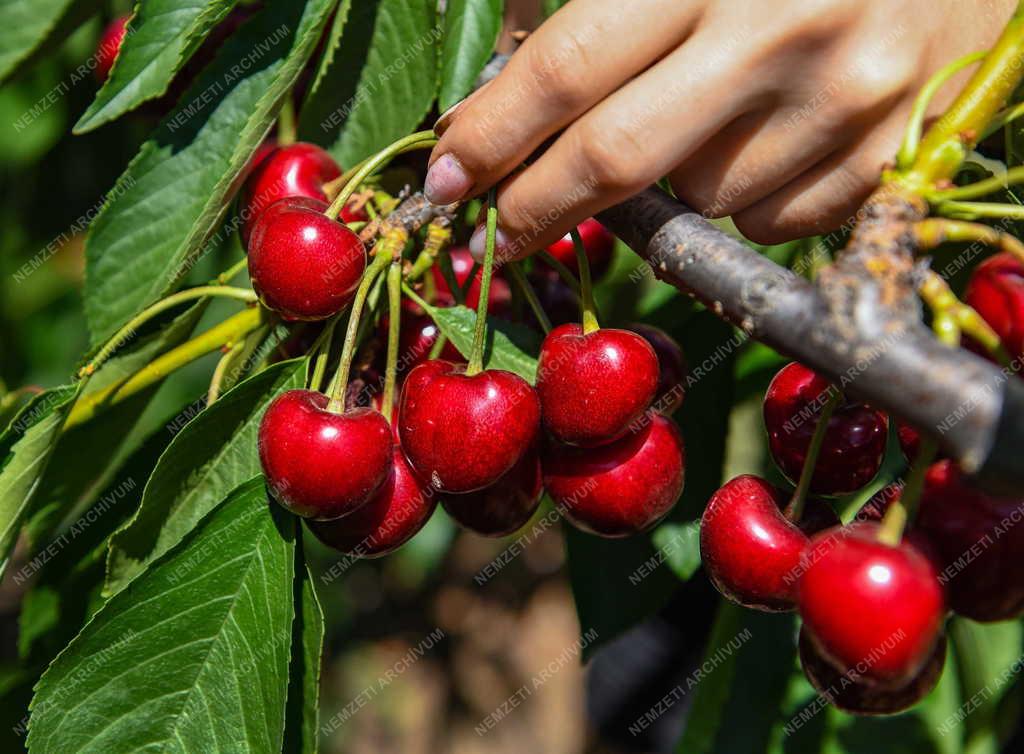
<point>779,114</point>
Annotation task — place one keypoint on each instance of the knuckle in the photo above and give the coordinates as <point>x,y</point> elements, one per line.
<point>609,157</point>
<point>558,71</point>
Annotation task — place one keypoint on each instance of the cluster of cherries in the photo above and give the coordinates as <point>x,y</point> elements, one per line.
<point>486,443</point>
<point>873,597</point>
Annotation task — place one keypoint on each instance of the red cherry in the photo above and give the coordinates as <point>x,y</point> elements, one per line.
<point>844,691</point>
<point>868,606</point>
<point>393,516</point>
<point>593,386</point>
<point>996,291</point>
<point>671,365</point>
<point>556,298</point>
<point>416,337</point>
<point>506,505</point>
<point>109,46</point>
<point>621,488</point>
<point>750,550</point>
<point>978,540</point>
<point>461,432</point>
<point>910,440</point>
<point>597,241</point>
<point>854,442</point>
<point>320,464</point>
<point>303,264</point>
<point>499,295</point>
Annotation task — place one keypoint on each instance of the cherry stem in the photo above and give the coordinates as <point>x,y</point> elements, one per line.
<point>563,272</point>
<point>448,273</point>
<point>123,335</point>
<point>795,509</point>
<point>439,344</point>
<point>348,351</point>
<point>221,370</point>
<point>322,349</point>
<point>588,309</point>
<point>286,122</point>
<point>476,357</point>
<point>981,188</point>
<point>394,323</point>
<point>903,510</point>
<point>934,231</point>
<point>530,295</point>
<point>227,332</point>
<point>953,317</point>
<point>418,140</point>
<point>225,277</point>
<point>1003,118</point>
<point>971,210</point>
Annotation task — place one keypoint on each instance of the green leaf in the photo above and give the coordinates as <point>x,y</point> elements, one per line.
<point>471,29</point>
<point>25,448</point>
<point>301,717</point>
<point>326,63</point>
<point>679,546</point>
<point>166,207</point>
<point>508,345</point>
<point>164,34</point>
<point>210,456</point>
<point>193,655</point>
<point>28,25</point>
<point>392,46</point>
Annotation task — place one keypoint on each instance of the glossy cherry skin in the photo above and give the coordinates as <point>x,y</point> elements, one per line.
<point>319,464</point>
<point>869,606</point>
<point>750,550</point>
<point>304,265</point>
<point>499,295</point>
<point>399,509</point>
<point>996,291</point>
<point>109,46</point>
<point>854,442</point>
<point>506,505</point>
<point>598,242</point>
<point>845,692</point>
<point>671,365</point>
<point>979,543</point>
<point>462,433</point>
<point>621,488</point>
<point>593,386</point>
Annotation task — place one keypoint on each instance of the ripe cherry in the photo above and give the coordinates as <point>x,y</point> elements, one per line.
<point>556,298</point>
<point>598,242</point>
<point>303,264</point>
<point>109,46</point>
<point>750,550</point>
<point>910,440</point>
<point>463,432</point>
<point>868,606</point>
<point>417,335</point>
<point>978,540</point>
<point>996,291</point>
<point>621,488</point>
<point>672,368</point>
<point>499,296</point>
<point>593,386</point>
<point>319,464</point>
<point>506,505</point>
<point>854,444</point>
<point>399,509</point>
<point>846,692</point>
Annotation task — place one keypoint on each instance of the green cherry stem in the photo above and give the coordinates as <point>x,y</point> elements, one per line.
<point>588,310</point>
<point>226,277</point>
<point>563,272</point>
<point>418,140</point>
<point>515,268</point>
<point>322,349</point>
<point>394,283</point>
<point>221,370</point>
<point>123,335</point>
<point>795,509</point>
<point>476,357</point>
<point>972,210</point>
<point>348,351</point>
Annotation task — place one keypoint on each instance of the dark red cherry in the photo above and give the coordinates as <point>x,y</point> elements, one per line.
<point>621,488</point>
<point>979,541</point>
<point>846,692</point>
<point>996,291</point>
<point>597,241</point>
<point>499,295</point>
<point>672,368</point>
<point>462,432</point>
<point>416,337</point>
<point>556,298</point>
<point>506,505</point>
<point>854,442</point>
<point>593,386</point>
<point>304,265</point>
<point>910,440</point>
<point>319,464</point>
<point>393,516</point>
<point>109,46</point>
<point>750,550</point>
<point>870,606</point>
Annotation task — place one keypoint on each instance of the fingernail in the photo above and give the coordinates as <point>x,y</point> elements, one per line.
<point>478,244</point>
<point>447,181</point>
